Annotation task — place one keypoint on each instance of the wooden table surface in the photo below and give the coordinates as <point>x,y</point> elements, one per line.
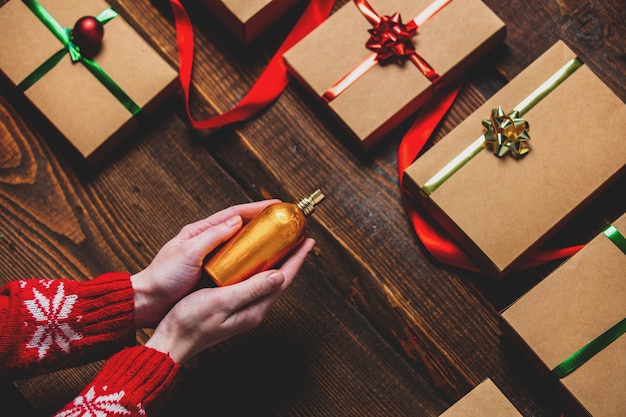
<point>373,325</point>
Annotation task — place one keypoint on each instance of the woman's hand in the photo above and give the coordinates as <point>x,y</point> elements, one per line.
<point>210,315</point>
<point>176,268</point>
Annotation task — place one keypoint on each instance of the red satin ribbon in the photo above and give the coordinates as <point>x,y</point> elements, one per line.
<point>268,86</point>
<point>434,238</point>
<point>389,38</point>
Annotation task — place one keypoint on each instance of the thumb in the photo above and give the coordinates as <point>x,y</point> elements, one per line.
<point>254,288</point>
<point>214,235</point>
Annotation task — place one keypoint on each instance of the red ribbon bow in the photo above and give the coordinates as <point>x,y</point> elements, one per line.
<point>391,38</point>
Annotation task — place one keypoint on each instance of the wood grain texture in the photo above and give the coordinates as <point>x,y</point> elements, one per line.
<point>373,325</point>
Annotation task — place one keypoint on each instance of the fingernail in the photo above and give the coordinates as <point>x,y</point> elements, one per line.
<point>276,278</point>
<point>233,221</point>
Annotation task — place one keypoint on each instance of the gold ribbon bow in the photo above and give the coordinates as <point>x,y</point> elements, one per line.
<point>506,133</point>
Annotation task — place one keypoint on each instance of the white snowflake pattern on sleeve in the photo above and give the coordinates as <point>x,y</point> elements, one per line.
<point>52,318</point>
<point>94,405</point>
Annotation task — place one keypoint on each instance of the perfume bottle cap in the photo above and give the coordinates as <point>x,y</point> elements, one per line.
<point>307,204</point>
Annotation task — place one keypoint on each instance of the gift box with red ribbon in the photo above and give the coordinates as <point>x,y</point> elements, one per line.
<point>485,399</point>
<point>93,79</point>
<point>374,64</point>
<point>524,163</point>
<point>249,19</point>
<point>571,325</point>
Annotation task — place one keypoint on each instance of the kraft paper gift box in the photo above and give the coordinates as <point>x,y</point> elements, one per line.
<point>501,209</point>
<point>71,97</point>
<point>571,308</point>
<point>247,19</point>
<point>484,400</point>
<point>389,92</point>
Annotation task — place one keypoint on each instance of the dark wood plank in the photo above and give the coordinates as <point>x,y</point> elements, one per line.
<point>20,406</point>
<point>373,325</point>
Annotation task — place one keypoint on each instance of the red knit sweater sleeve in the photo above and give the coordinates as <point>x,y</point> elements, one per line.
<point>49,324</point>
<point>133,382</point>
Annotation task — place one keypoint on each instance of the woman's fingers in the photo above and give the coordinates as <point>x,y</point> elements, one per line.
<point>246,211</point>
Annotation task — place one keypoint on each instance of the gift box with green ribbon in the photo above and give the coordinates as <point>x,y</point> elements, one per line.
<point>571,325</point>
<point>374,64</point>
<point>90,74</point>
<point>524,163</point>
<point>247,20</point>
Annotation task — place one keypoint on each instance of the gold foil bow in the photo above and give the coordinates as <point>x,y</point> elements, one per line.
<point>522,108</point>
<point>506,132</point>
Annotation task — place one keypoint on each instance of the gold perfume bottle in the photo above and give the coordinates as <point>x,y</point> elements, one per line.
<point>262,242</point>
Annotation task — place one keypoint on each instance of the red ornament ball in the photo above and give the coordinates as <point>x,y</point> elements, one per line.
<point>88,31</point>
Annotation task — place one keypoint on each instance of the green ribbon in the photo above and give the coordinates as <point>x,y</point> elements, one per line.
<point>522,108</point>
<point>590,349</point>
<point>64,36</point>
<point>616,237</point>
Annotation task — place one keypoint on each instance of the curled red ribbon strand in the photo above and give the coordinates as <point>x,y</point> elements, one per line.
<point>268,86</point>
<point>389,38</point>
<point>434,239</point>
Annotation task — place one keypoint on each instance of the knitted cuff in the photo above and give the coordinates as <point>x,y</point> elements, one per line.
<point>52,323</point>
<point>131,382</point>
